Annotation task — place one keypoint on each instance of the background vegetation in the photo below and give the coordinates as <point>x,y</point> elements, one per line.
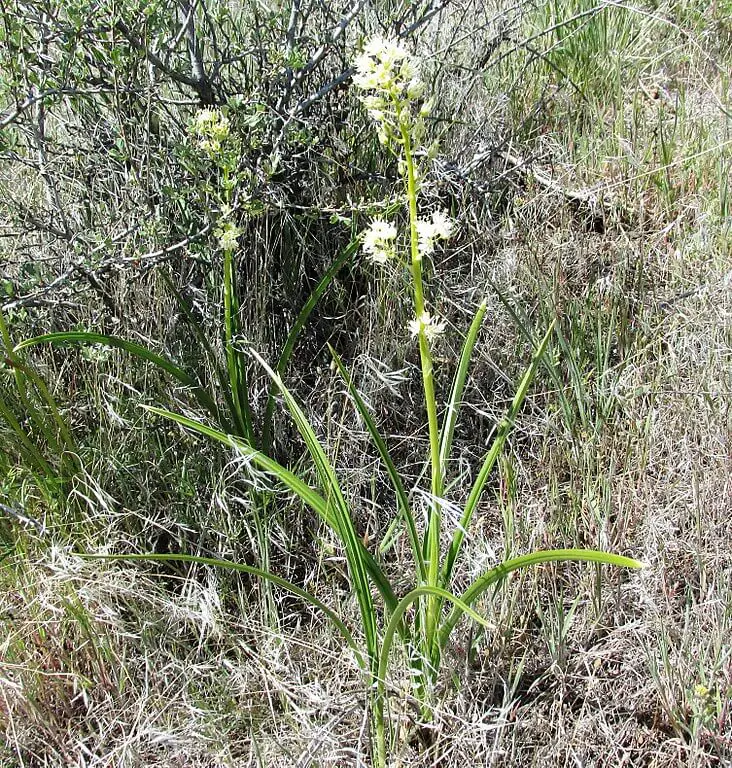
<point>584,151</point>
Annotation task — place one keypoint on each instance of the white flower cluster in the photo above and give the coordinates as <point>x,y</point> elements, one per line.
<point>390,75</point>
<point>428,325</point>
<point>211,128</point>
<point>387,67</point>
<point>439,227</point>
<point>378,241</point>
<point>228,235</point>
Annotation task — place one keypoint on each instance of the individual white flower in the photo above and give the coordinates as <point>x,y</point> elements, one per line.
<point>426,109</point>
<point>228,235</point>
<point>376,67</point>
<point>425,234</point>
<point>210,146</point>
<point>378,240</point>
<point>415,89</point>
<point>427,325</point>
<point>366,77</point>
<point>385,133</point>
<point>376,107</point>
<point>386,50</point>
<point>408,71</point>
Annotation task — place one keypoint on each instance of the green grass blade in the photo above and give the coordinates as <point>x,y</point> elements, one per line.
<point>21,374</point>
<point>522,324</point>
<point>34,415</point>
<point>398,615</point>
<point>502,433</point>
<point>302,490</point>
<point>458,385</point>
<point>66,446</point>
<point>487,580</point>
<point>253,571</point>
<point>309,496</point>
<point>137,350</point>
<point>404,508</point>
<point>296,329</point>
<point>25,446</point>
<point>236,363</point>
<point>344,528</point>
<point>49,400</point>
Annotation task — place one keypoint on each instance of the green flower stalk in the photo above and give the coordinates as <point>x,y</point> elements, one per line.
<point>211,131</point>
<point>393,89</point>
<point>392,92</point>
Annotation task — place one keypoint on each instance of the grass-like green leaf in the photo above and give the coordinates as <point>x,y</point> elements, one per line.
<point>502,433</point>
<point>395,622</point>
<point>494,575</point>
<point>344,527</point>
<point>404,509</point>
<point>236,363</point>
<point>210,352</point>
<point>253,571</point>
<point>309,496</point>
<point>458,385</point>
<point>296,330</point>
<point>47,419</point>
<point>137,350</point>
<point>24,444</point>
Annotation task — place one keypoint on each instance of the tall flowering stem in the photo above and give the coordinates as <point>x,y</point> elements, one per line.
<point>211,131</point>
<point>432,548</point>
<point>393,98</point>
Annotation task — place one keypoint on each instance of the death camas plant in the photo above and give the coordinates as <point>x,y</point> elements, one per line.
<point>393,94</point>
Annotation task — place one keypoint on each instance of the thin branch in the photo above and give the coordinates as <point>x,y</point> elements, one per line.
<point>44,296</point>
<point>589,197</point>
<point>437,6</point>
<point>204,89</point>
<point>294,78</point>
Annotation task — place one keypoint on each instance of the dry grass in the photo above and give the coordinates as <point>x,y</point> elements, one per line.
<point>110,665</point>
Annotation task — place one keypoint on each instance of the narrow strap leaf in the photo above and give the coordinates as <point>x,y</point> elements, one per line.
<point>309,496</point>
<point>294,334</point>
<point>344,528</point>
<point>205,344</point>
<point>236,364</point>
<point>137,350</point>
<point>404,509</point>
<point>502,433</point>
<point>458,385</point>
<point>252,570</point>
<point>484,582</point>
<point>395,622</point>
<point>302,490</point>
<point>25,446</point>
